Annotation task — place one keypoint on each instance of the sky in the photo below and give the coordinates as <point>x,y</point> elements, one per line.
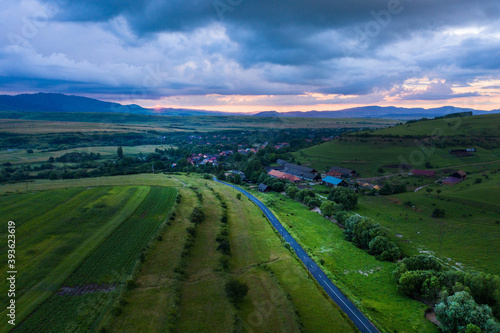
<point>259,55</point>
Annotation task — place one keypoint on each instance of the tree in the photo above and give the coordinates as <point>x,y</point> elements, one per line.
<point>456,312</point>
<point>238,196</point>
<point>291,191</point>
<point>344,196</point>
<point>384,249</point>
<point>327,208</point>
<point>428,190</point>
<point>119,152</point>
<point>438,212</point>
<point>236,291</point>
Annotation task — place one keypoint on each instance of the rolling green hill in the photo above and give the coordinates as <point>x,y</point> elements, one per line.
<point>379,152</point>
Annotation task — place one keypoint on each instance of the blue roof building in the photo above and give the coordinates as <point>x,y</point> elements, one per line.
<point>332,181</point>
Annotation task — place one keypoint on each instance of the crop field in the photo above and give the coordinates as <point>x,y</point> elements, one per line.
<point>281,297</point>
<point>472,219</point>
<point>366,281</point>
<point>77,248</point>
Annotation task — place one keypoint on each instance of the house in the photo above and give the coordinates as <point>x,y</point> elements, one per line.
<point>333,182</point>
<point>281,162</point>
<point>460,174</point>
<point>426,173</point>
<point>451,181</point>
<point>345,173</point>
<point>263,187</point>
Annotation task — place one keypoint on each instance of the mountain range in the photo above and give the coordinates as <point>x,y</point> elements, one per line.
<point>49,102</point>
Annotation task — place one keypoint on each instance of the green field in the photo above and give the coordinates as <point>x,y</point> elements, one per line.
<point>478,126</point>
<point>107,152</point>
<point>368,152</point>
<point>466,238</point>
<point>76,238</point>
<point>53,122</point>
<point>98,234</point>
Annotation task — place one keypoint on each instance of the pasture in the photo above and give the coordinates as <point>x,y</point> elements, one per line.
<point>465,239</point>
<point>368,155</point>
<point>21,156</point>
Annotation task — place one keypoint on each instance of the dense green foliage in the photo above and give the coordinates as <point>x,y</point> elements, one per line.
<point>423,278</point>
<point>458,312</point>
<point>344,196</point>
<point>368,235</point>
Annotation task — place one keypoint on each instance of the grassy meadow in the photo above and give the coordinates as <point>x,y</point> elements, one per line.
<point>378,152</point>
<point>21,156</point>
<point>465,239</point>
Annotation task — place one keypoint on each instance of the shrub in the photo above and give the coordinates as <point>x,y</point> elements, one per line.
<point>236,291</point>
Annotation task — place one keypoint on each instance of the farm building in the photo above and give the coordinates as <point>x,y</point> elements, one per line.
<point>263,187</point>
<point>462,152</point>
<point>300,168</point>
<point>333,182</point>
<point>334,173</point>
<point>303,175</point>
<point>426,173</point>
<point>284,176</point>
<point>345,173</point>
<point>451,180</point>
<point>460,174</point>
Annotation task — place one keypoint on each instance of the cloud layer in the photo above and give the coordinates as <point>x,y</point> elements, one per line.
<point>314,52</point>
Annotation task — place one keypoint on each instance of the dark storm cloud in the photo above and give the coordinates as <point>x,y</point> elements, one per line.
<point>261,46</point>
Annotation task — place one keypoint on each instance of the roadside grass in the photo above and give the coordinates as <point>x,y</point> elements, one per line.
<point>51,245</point>
<point>281,294</point>
<point>146,308</point>
<point>366,281</point>
<point>109,265</point>
<point>466,238</point>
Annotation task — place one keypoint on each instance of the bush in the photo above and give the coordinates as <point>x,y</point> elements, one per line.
<point>383,249</point>
<point>438,212</point>
<point>236,291</point>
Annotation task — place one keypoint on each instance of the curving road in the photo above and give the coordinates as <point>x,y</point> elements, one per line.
<point>357,317</point>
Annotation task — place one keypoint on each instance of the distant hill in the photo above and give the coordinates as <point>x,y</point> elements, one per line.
<point>48,102</point>
<point>376,112</point>
<point>43,102</point>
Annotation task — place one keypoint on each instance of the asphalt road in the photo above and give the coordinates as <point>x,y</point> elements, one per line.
<point>356,316</point>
